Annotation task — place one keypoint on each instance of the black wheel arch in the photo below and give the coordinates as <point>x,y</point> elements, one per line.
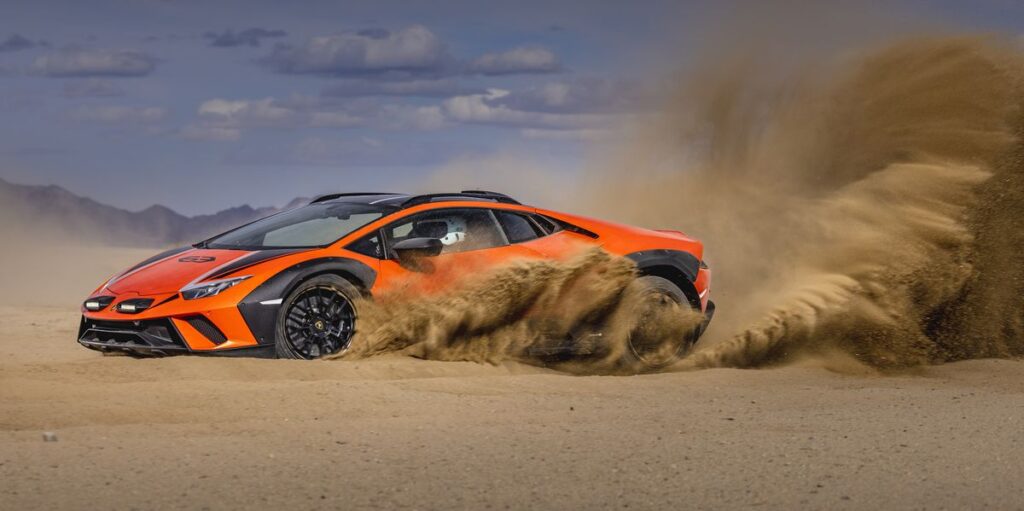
<point>261,316</point>
<point>676,266</point>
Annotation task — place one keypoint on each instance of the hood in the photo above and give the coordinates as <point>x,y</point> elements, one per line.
<point>171,273</point>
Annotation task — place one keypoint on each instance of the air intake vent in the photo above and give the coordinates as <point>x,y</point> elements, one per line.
<point>207,328</point>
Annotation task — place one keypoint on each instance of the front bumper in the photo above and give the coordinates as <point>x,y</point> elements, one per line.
<point>161,337</point>
<point>171,325</point>
<point>152,337</point>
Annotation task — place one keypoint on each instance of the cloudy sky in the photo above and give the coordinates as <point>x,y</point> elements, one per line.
<point>201,105</point>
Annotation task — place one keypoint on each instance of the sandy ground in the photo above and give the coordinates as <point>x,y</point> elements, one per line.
<point>393,433</point>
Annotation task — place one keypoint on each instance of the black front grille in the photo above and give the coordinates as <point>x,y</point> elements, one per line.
<point>207,328</point>
<point>156,336</point>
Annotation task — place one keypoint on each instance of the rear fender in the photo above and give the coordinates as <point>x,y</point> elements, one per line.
<point>678,267</point>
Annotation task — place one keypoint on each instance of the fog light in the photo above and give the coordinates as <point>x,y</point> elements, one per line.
<point>98,303</point>
<point>134,306</point>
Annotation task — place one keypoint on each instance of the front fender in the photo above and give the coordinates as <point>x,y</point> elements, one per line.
<point>260,308</point>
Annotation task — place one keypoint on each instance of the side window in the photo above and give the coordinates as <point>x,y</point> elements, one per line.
<point>460,230</point>
<point>368,246</point>
<point>518,227</point>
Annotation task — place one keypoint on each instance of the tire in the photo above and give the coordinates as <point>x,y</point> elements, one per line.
<point>658,353</point>
<point>318,318</point>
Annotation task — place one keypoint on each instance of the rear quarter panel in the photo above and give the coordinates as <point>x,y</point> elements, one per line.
<point>621,239</point>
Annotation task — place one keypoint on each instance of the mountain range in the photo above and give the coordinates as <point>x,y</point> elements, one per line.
<point>52,211</point>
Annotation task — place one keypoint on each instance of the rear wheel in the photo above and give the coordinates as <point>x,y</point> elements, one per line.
<point>318,318</point>
<point>662,333</point>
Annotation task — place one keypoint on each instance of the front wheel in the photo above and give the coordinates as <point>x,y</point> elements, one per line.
<point>666,325</point>
<point>318,318</point>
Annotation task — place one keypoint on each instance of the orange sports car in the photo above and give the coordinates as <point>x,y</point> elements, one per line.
<point>288,285</point>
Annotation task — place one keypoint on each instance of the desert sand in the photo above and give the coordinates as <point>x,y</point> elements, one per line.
<point>396,432</point>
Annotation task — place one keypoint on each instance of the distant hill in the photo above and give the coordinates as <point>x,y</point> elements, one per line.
<point>51,211</point>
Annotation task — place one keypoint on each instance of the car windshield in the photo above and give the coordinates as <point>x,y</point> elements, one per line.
<point>316,225</point>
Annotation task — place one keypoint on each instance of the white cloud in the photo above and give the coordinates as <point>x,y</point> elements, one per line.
<point>488,109</point>
<point>414,49</point>
<point>554,111</point>
<point>226,119</point>
<point>119,114</point>
<point>580,95</point>
<point>93,62</point>
<point>522,60</point>
<point>420,118</point>
<point>248,113</point>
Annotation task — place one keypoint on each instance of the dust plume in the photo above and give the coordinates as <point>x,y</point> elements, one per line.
<point>47,264</point>
<point>867,205</point>
<point>575,314</point>
<point>845,206</point>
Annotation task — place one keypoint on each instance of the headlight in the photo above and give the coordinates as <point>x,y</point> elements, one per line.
<point>210,288</point>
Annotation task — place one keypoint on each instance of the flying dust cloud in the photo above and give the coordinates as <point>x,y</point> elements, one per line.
<point>869,205</point>
<point>847,208</point>
<point>574,314</point>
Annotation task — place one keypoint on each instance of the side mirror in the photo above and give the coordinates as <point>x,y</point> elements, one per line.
<point>410,252</point>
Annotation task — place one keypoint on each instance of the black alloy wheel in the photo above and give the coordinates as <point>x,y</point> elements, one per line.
<point>317,319</point>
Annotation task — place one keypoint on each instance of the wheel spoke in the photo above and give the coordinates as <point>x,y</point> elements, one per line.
<point>299,310</point>
<point>324,299</point>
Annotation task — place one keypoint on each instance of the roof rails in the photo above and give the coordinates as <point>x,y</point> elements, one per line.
<point>405,201</point>
<point>332,196</point>
<point>463,195</point>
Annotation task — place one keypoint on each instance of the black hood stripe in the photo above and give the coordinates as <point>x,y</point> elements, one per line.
<point>254,259</point>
